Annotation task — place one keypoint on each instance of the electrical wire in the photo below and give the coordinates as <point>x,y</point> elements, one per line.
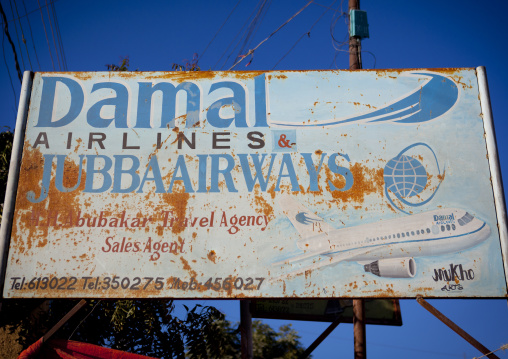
<point>32,11</point>
<point>6,32</point>
<point>339,45</point>
<point>335,43</point>
<point>220,28</point>
<point>306,33</point>
<point>251,52</point>
<point>251,27</point>
<point>374,56</point>
<point>23,38</point>
<point>326,6</point>
<point>256,29</point>
<point>46,33</point>
<point>31,35</point>
<point>334,60</point>
<point>8,72</point>
<point>17,37</point>
<point>59,37</point>
<point>238,43</point>
<point>258,25</point>
<point>53,36</point>
<point>85,318</point>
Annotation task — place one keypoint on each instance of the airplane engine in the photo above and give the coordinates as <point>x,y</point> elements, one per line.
<point>392,268</point>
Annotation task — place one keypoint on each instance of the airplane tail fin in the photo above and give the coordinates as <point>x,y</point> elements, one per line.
<point>307,223</point>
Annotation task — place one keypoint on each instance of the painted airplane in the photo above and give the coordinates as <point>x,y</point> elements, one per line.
<point>386,248</point>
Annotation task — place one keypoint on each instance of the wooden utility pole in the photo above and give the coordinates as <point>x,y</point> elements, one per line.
<point>359,328</point>
<point>246,329</point>
<point>355,63</point>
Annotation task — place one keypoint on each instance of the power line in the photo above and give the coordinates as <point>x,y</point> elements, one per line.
<point>258,25</point>
<point>17,37</point>
<point>374,56</point>
<point>32,11</point>
<point>220,28</point>
<point>46,33</point>
<point>329,7</point>
<point>23,38</point>
<point>6,32</point>
<point>8,71</point>
<point>53,35</point>
<point>251,27</point>
<point>269,36</point>
<point>31,35</point>
<point>59,37</point>
<point>336,44</point>
<point>238,33</point>
<point>306,33</point>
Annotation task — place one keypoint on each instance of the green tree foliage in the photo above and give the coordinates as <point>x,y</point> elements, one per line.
<point>123,66</point>
<point>188,65</point>
<point>145,327</point>
<point>148,327</point>
<point>268,343</point>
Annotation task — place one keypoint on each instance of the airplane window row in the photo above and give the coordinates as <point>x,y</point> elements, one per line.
<point>465,219</point>
<point>401,235</point>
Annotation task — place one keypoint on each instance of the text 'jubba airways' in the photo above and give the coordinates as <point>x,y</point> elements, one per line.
<point>197,172</point>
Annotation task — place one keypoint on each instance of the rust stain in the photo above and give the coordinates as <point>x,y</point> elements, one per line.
<point>182,76</point>
<point>79,75</point>
<point>212,256</point>
<point>31,172</point>
<point>263,205</point>
<point>271,190</point>
<point>366,181</point>
<point>188,268</point>
<point>178,201</point>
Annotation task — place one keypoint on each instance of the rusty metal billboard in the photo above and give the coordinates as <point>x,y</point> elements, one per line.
<point>255,184</point>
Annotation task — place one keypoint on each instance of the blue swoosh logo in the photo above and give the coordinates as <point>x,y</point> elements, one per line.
<point>428,102</point>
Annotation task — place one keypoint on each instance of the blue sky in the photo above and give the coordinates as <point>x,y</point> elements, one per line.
<point>416,34</point>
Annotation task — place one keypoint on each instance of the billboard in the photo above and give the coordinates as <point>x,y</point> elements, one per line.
<point>377,311</point>
<point>255,184</point>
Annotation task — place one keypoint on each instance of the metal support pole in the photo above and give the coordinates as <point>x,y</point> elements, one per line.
<point>455,328</point>
<point>64,320</point>
<point>320,339</point>
<point>246,329</point>
<point>359,328</point>
<point>12,181</point>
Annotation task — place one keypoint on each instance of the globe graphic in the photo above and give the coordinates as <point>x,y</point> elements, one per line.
<point>405,176</point>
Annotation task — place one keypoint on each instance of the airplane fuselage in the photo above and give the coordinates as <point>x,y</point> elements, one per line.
<point>426,234</point>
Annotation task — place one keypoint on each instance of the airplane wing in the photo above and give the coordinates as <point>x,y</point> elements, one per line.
<point>301,257</point>
<point>307,223</point>
<point>324,261</point>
